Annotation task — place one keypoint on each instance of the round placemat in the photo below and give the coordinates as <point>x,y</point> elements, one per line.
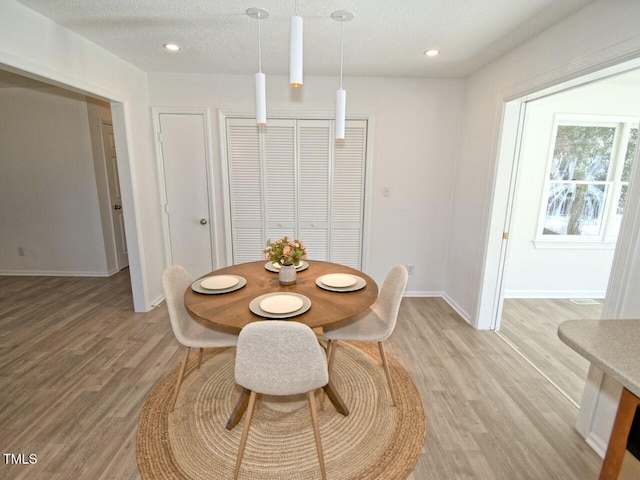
<point>376,440</point>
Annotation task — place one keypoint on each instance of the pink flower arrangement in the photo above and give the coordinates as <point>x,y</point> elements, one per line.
<point>285,251</point>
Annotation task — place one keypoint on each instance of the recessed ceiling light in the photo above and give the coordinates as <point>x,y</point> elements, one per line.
<point>431,53</point>
<point>172,47</point>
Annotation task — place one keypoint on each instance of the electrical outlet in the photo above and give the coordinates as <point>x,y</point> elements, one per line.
<point>21,252</point>
<point>386,192</point>
<point>410,269</point>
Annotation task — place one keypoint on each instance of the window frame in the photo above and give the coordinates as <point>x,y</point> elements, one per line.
<point>613,185</point>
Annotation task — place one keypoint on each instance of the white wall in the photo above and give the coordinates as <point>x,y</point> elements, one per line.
<point>31,43</point>
<point>48,198</point>
<point>415,125</point>
<point>603,33</point>
<point>558,272</point>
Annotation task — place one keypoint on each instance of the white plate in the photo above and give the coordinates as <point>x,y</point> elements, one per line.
<point>281,304</point>
<point>338,280</point>
<point>275,267</point>
<point>254,306</point>
<point>359,285</point>
<point>198,288</point>
<point>219,282</point>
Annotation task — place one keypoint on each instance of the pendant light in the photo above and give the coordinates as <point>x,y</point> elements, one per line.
<point>341,94</point>
<point>261,84</point>
<point>295,49</point>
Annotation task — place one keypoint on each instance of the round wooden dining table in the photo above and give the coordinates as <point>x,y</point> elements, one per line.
<point>231,310</point>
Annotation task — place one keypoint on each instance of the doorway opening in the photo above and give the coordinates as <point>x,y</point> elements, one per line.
<point>569,185</point>
<point>60,172</point>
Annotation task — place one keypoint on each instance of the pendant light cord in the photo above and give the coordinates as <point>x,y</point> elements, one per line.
<point>296,7</point>
<point>259,46</point>
<point>341,50</point>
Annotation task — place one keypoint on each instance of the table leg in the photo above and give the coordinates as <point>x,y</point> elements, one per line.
<point>335,399</point>
<point>619,436</point>
<point>238,410</point>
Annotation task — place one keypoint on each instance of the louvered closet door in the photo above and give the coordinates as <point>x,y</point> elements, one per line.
<point>347,196</point>
<point>280,178</point>
<point>292,178</point>
<point>314,156</point>
<point>245,189</point>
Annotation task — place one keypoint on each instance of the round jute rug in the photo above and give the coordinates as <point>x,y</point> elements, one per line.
<point>376,441</point>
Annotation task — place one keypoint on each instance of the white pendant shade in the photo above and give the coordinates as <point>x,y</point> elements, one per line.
<point>341,111</point>
<point>341,94</point>
<point>261,83</point>
<point>295,52</point>
<point>261,99</point>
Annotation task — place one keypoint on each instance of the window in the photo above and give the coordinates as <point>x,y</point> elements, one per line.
<point>587,180</point>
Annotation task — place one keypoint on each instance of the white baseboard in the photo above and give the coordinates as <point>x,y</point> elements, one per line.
<point>52,273</point>
<point>554,293</point>
<point>157,301</point>
<point>597,444</point>
<point>421,293</point>
<point>433,294</point>
<point>459,310</point>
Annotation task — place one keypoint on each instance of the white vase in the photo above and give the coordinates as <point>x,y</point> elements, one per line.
<point>287,275</point>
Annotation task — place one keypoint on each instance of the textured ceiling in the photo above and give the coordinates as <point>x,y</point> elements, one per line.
<point>384,39</point>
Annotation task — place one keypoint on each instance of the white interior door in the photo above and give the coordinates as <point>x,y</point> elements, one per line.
<point>182,138</point>
<point>109,147</point>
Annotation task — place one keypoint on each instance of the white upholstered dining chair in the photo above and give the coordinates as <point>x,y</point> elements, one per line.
<point>191,334</point>
<point>377,324</point>
<point>280,358</point>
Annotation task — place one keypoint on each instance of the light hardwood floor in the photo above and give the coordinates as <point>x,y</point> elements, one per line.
<point>76,365</point>
<point>531,325</point>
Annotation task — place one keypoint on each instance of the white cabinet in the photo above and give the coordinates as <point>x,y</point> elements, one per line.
<point>292,178</point>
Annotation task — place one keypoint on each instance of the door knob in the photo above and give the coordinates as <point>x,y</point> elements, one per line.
<point>117,207</point>
<point>203,221</point>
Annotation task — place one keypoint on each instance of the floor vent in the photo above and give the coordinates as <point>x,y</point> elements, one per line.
<point>584,301</point>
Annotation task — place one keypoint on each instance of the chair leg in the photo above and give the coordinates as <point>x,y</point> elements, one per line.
<point>387,373</point>
<point>183,367</point>
<point>327,349</point>
<point>321,397</point>
<point>200,357</point>
<point>239,409</point>
<point>333,345</point>
<point>316,431</point>
<point>245,433</point>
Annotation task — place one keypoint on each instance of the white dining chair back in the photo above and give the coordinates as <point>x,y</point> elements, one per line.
<point>188,332</point>
<point>377,324</point>
<point>175,280</point>
<point>387,305</point>
<point>280,358</point>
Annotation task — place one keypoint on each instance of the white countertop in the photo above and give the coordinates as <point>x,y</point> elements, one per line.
<point>611,345</point>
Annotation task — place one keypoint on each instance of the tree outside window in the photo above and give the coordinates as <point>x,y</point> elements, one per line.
<point>588,179</point>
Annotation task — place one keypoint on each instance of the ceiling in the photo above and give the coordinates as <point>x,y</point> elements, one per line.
<point>385,38</point>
